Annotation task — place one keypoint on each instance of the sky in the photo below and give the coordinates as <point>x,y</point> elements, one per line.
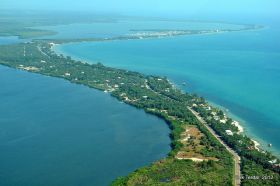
<point>152,7</point>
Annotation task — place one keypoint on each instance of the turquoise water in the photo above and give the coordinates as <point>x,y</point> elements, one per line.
<point>56,133</point>
<point>123,27</point>
<point>238,70</point>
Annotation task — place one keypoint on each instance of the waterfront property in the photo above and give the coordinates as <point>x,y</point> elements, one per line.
<point>236,72</point>
<point>156,95</point>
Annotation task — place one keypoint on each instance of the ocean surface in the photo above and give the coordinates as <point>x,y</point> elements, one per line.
<point>53,132</point>
<point>239,71</point>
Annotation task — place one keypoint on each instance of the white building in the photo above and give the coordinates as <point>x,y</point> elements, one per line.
<point>273,161</point>
<point>229,132</point>
<point>216,118</point>
<point>223,121</point>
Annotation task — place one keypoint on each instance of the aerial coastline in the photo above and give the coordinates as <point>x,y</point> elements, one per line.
<point>260,144</point>
<point>132,93</point>
<point>238,122</point>
<point>161,34</point>
<point>157,88</point>
<point>153,34</point>
<point>204,137</point>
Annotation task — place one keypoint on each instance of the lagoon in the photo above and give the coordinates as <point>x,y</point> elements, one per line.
<point>11,40</point>
<point>53,132</point>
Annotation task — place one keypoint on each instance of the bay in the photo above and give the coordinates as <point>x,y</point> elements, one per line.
<point>53,132</point>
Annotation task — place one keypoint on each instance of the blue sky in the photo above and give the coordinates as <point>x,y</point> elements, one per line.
<point>153,7</point>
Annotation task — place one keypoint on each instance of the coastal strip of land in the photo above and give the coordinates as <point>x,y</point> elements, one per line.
<point>237,173</point>
<point>198,157</point>
<point>155,34</point>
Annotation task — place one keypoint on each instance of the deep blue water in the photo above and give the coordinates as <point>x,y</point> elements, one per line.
<point>53,132</point>
<point>238,70</point>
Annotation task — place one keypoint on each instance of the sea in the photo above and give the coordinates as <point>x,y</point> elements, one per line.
<point>238,71</point>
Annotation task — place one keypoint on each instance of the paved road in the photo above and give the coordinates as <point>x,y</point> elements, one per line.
<point>237,174</point>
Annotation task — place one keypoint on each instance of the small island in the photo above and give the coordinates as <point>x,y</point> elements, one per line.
<point>208,147</point>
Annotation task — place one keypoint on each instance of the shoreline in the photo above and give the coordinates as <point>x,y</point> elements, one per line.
<point>257,145</point>
<point>156,34</point>
<point>260,144</point>
<point>129,86</point>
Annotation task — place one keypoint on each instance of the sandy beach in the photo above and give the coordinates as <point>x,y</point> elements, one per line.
<point>256,145</point>
<point>237,124</point>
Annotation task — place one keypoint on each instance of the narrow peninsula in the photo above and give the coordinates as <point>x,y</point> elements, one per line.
<point>208,147</point>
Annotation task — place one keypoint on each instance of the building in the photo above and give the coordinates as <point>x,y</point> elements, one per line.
<point>229,132</point>
<point>223,121</point>
<point>273,161</point>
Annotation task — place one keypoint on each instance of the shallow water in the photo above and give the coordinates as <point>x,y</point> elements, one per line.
<point>237,70</point>
<point>11,40</point>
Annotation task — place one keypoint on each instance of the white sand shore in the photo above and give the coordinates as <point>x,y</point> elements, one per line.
<point>237,124</point>
<point>257,145</point>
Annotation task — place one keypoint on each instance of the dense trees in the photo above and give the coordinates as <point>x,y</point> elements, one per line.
<point>156,95</point>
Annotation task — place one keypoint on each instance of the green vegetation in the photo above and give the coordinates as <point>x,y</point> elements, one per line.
<point>25,33</point>
<point>255,174</point>
<point>154,33</point>
<point>253,158</point>
<point>177,172</point>
<point>27,25</point>
<point>156,95</point>
<point>21,23</point>
<point>140,91</point>
<point>16,26</point>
